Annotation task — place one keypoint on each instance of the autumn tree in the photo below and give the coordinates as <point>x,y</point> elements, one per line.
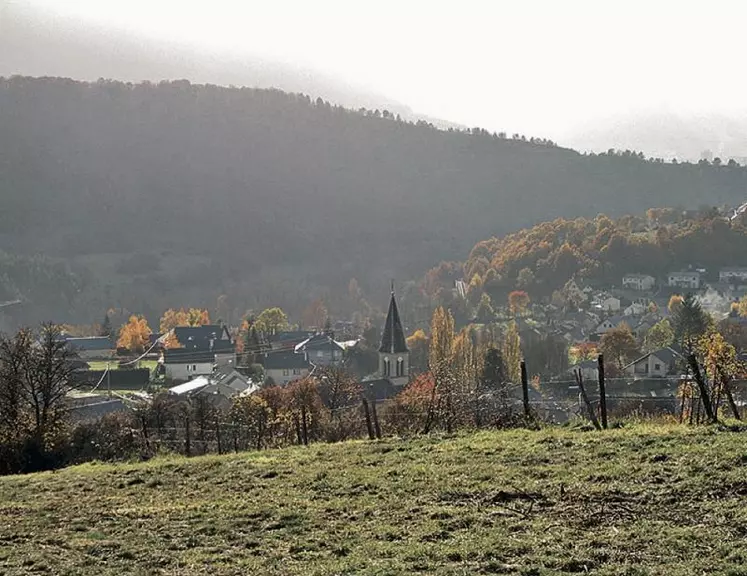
<point>35,378</point>
<point>675,303</point>
<point>660,335</point>
<point>315,315</point>
<point>417,343</point>
<point>339,391</point>
<point>511,351</point>
<point>518,301</point>
<point>134,336</point>
<point>485,313</point>
<point>440,363</point>
<point>619,346</point>
<point>271,321</point>
<point>720,361</point>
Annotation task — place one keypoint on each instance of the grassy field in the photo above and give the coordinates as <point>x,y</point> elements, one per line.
<point>644,500</point>
<point>101,364</point>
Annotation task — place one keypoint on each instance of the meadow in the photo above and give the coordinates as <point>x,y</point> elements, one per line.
<point>641,499</point>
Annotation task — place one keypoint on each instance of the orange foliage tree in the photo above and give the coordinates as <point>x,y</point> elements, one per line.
<point>518,300</point>
<point>409,411</point>
<point>133,336</point>
<point>174,318</point>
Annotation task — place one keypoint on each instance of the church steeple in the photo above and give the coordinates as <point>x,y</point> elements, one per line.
<point>394,356</point>
<point>393,338</point>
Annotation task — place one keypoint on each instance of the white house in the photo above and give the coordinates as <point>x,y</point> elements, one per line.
<point>183,365</point>
<point>285,366</point>
<point>685,279</point>
<point>636,309</point>
<point>732,275</point>
<point>658,364</point>
<point>638,281</point>
<point>610,304</point>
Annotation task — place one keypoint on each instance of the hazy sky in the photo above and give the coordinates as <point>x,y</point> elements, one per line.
<point>541,67</point>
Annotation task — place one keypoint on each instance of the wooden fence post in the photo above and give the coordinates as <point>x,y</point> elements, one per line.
<point>589,408</point>
<point>304,428</point>
<point>298,428</point>
<point>525,388</point>
<point>217,436</point>
<point>377,428</point>
<point>369,426</point>
<point>602,390</point>
<point>187,443</point>
<point>704,397</point>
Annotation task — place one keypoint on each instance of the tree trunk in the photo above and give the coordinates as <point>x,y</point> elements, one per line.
<point>704,396</point>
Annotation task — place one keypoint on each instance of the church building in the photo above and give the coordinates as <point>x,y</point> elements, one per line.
<point>394,358</point>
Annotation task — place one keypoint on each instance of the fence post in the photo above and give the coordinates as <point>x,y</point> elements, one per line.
<point>298,428</point>
<point>187,444</point>
<point>217,436</point>
<point>602,390</point>
<point>580,381</point>
<point>304,429</point>
<point>368,420</point>
<point>525,388</point>
<point>704,397</point>
<point>377,428</point>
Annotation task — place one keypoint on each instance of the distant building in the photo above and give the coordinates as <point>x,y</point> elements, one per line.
<point>92,348</point>
<point>394,358</point>
<point>321,350</point>
<point>285,366</point>
<point>732,275</point>
<point>638,281</point>
<point>657,364</point>
<point>686,279</point>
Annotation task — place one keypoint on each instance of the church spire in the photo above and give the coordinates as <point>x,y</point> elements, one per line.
<point>393,338</point>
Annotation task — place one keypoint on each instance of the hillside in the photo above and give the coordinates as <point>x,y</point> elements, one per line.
<point>646,500</point>
<point>542,258</point>
<point>172,194</point>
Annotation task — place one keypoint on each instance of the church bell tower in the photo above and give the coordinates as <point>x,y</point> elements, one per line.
<point>394,356</point>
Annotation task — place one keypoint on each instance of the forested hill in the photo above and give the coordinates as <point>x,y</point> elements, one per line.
<point>277,197</point>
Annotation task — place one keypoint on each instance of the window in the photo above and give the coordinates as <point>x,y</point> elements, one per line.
<point>400,366</point>
<point>657,367</point>
<point>296,371</point>
<point>387,370</point>
<point>285,371</point>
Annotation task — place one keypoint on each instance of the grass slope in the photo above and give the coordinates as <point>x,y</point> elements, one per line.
<point>645,500</point>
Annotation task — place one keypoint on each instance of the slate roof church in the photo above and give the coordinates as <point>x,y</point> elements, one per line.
<point>394,358</point>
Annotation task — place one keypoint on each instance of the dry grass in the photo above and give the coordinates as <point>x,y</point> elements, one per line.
<point>643,500</point>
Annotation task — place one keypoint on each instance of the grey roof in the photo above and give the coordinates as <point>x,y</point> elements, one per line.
<point>200,337</point>
<point>667,355</point>
<point>319,342</point>
<point>90,343</point>
<point>284,361</point>
<point>193,355</point>
<point>393,338</point>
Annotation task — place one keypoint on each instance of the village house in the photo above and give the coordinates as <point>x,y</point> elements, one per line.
<point>613,322</point>
<point>219,388</point>
<point>92,348</point>
<point>288,340</point>
<point>685,279</point>
<point>733,275</point>
<point>657,364</point>
<point>285,366</point>
<point>640,282</point>
<point>321,350</point>
<point>181,365</point>
<point>212,339</point>
<point>589,370</point>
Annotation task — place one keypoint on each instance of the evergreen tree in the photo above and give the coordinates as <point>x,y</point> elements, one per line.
<point>106,326</point>
<point>689,322</point>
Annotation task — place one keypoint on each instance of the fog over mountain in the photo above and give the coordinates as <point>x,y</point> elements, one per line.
<point>35,43</point>
<point>667,134</point>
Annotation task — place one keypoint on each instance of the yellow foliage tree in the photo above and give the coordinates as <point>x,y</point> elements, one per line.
<point>133,336</point>
<point>512,353</point>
